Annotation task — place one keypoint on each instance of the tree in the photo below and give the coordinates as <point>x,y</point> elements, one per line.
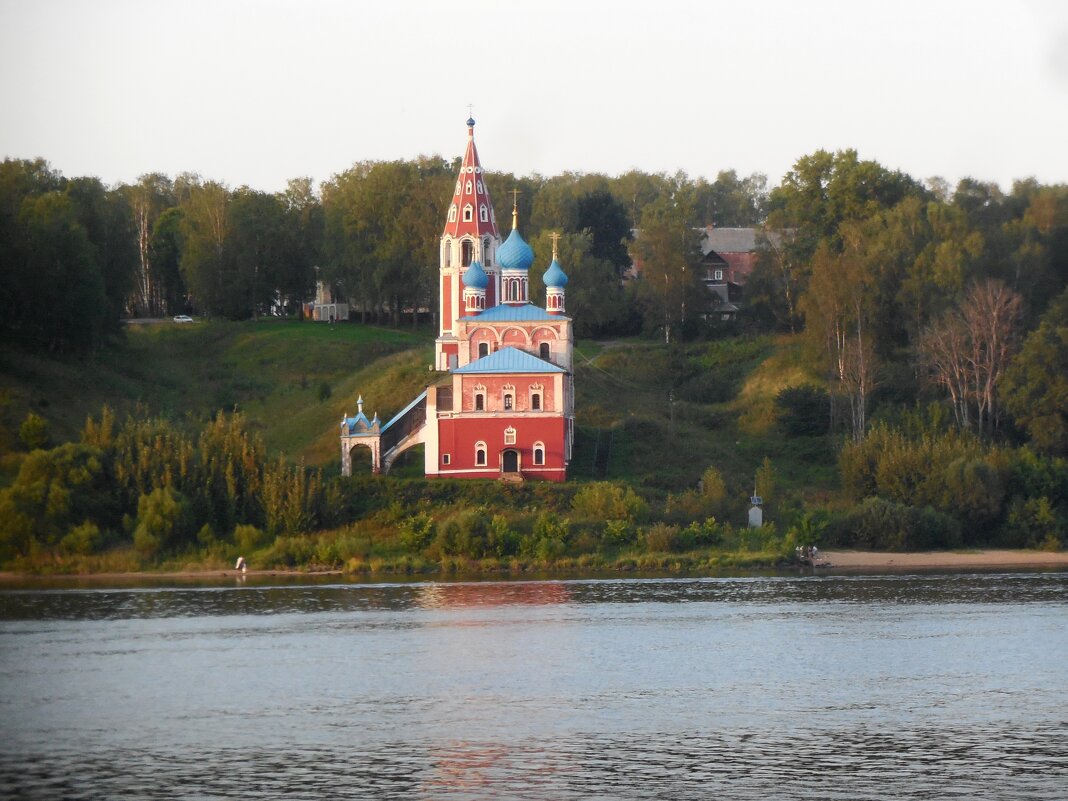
<point>165,256</point>
<point>61,298</point>
<point>835,308</point>
<point>969,348</point>
<point>668,250</point>
<point>595,298</point>
<point>256,252</point>
<point>732,202</point>
<point>148,199</point>
<point>1036,384</point>
<point>204,232</point>
<point>605,218</point>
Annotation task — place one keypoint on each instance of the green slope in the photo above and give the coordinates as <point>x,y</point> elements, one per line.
<point>648,414</point>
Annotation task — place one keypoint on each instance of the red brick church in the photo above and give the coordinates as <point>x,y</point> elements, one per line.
<point>504,404</point>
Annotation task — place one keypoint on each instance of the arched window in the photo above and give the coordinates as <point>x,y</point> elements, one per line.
<point>467,250</point>
<point>482,213</point>
<point>448,253</point>
<point>486,252</point>
<point>480,454</point>
<point>535,401</point>
<point>452,213</point>
<point>467,187</point>
<point>543,350</point>
<point>480,189</point>
<point>539,453</point>
<point>469,213</point>
<point>483,349</point>
<point>507,401</point>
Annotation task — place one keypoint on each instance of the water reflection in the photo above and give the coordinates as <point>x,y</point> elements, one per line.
<point>522,593</point>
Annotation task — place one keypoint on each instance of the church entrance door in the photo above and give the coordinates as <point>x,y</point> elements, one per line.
<point>510,462</point>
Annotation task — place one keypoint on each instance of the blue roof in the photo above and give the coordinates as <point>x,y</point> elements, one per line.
<point>510,360</point>
<point>475,277</point>
<point>405,410</point>
<point>350,424</point>
<point>515,254</point>
<point>504,313</point>
<point>555,276</point>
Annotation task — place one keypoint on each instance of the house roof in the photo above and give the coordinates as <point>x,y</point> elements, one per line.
<point>513,314</point>
<point>734,240</point>
<point>729,240</point>
<point>509,360</point>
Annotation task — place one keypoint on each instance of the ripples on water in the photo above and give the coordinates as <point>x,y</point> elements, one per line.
<point>910,687</point>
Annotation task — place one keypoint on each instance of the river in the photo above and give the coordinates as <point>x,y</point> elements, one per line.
<point>830,687</point>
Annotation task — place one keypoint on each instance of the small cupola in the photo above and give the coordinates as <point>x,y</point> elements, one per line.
<point>555,279</point>
<point>475,282</point>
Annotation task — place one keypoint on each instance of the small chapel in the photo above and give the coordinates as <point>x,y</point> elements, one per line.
<point>502,406</point>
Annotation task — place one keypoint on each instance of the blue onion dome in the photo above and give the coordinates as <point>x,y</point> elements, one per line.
<point>555,276</point>
<point>515,254</point>
<point>475,277</point>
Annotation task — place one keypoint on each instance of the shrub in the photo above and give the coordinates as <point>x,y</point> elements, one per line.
<point>417,532</point>
<point>618,532</point>
<point>603,500</point>
<point>662,537</point>
<point>885,525</point>
<point>324,391</point>
<point>249,538</point>
<point>83,539</point>
<point>33,433</point>
<point>164,520</point>
<point>803,411</point>
<point>972,490</point>
<point>1031,523</point>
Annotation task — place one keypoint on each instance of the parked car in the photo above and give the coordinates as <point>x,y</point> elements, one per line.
<point>182,318</point>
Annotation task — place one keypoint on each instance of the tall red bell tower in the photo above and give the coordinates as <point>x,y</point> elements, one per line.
<point>470,236</point>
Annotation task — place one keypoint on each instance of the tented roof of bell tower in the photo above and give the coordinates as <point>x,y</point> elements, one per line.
<point>470,197</point>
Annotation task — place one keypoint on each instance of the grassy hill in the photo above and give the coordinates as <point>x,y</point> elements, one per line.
<point>292,379</point>
<point>651,415</point>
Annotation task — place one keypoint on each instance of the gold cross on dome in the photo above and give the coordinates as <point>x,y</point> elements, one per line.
<point>555,237</point>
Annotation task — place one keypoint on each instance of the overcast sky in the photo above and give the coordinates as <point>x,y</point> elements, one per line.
<point>254,93</point>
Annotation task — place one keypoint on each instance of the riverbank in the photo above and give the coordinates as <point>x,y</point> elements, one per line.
<point>864,561</point>
<point>845,561</point>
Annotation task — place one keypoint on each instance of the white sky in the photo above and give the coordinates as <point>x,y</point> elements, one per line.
<point>258,92</point>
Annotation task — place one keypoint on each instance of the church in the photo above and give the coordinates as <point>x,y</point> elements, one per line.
<point>503,404</point>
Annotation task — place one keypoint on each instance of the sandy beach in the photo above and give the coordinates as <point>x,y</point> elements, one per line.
<point>950,560</point>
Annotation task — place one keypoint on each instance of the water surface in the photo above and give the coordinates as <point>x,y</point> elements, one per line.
<point>900,687</point>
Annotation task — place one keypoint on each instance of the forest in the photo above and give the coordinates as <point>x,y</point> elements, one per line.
<point>930,323</point>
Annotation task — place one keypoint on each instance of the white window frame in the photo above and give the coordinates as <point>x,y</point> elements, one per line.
<point>480,448</point>
<point>446,458</point>
<point>452,213</point>
<point>509,436</point>
<point>539,447</point>
<point>469,213</point>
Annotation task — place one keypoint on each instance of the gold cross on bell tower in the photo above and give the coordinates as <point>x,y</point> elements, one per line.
<point>515,209</point>
<point>555,237</point>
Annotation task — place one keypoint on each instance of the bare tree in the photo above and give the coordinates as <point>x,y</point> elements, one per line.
<point>969,348</point>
